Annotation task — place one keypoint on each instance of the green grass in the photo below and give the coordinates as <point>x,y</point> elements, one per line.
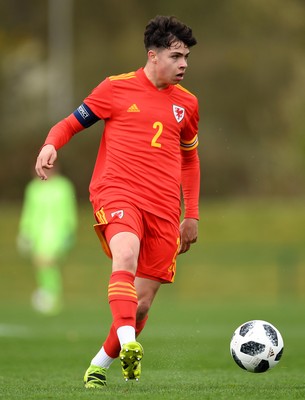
<point>248,263</point>
<point>186,354</point>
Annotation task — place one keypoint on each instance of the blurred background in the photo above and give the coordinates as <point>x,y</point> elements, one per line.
<point>248,71</point>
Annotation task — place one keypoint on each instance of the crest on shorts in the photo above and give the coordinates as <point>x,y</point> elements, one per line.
<point>178,113</point>
<point>118,213</point>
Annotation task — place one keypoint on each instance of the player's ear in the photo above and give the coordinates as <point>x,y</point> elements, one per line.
<point>152,56</point>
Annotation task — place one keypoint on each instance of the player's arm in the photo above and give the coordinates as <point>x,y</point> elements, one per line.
<point>190,180</point>
<point>60,134</point>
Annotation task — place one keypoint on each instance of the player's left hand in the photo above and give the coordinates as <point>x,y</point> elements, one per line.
<point>188,234</point>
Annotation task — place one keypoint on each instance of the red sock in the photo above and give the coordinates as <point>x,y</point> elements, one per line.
<point>112,345</point>
<point>123,303</point>
<point>122,299</point>
<point>140,325</point>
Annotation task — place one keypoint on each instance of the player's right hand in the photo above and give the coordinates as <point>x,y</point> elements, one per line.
<point>45,160</point>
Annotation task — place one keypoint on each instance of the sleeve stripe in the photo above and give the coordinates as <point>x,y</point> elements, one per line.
<point>120,77</point>
<point>190,145</point>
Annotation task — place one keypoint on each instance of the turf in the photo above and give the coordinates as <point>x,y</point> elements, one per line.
<point>245,266</point>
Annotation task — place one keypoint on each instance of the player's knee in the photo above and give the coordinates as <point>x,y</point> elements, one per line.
<point>125,259</point>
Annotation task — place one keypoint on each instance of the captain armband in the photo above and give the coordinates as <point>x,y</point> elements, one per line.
<point>85,116</point>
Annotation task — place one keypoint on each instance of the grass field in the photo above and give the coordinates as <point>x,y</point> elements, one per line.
<point>248,264</point>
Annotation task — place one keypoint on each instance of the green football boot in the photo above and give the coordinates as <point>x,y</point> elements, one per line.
<point>131,355</point>
<point>95,377</point>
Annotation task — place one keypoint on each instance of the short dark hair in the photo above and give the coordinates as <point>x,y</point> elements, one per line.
<point>163,31</point>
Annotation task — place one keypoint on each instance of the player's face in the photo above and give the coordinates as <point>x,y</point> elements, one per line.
<point>171,64</point>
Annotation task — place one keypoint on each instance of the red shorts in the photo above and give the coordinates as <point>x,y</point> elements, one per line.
<point>159,238</point>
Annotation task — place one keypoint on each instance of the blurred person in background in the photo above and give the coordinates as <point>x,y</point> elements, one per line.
<point>47,231</point>
<point>148,150</point>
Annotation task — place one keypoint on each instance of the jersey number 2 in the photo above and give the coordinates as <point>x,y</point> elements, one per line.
<point>159,126</point>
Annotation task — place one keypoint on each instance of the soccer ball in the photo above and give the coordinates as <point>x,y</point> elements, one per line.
<point>256,346</point>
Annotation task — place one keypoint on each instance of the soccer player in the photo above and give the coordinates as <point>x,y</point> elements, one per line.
<point>47,231</point>
<point>148,151</point>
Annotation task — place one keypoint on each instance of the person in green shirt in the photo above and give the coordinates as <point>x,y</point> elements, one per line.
<point>47,231</point>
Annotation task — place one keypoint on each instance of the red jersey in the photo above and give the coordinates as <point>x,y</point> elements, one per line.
<point>146,129</point>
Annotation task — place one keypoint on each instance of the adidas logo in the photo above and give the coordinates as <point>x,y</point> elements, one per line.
<point>133,108</point>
